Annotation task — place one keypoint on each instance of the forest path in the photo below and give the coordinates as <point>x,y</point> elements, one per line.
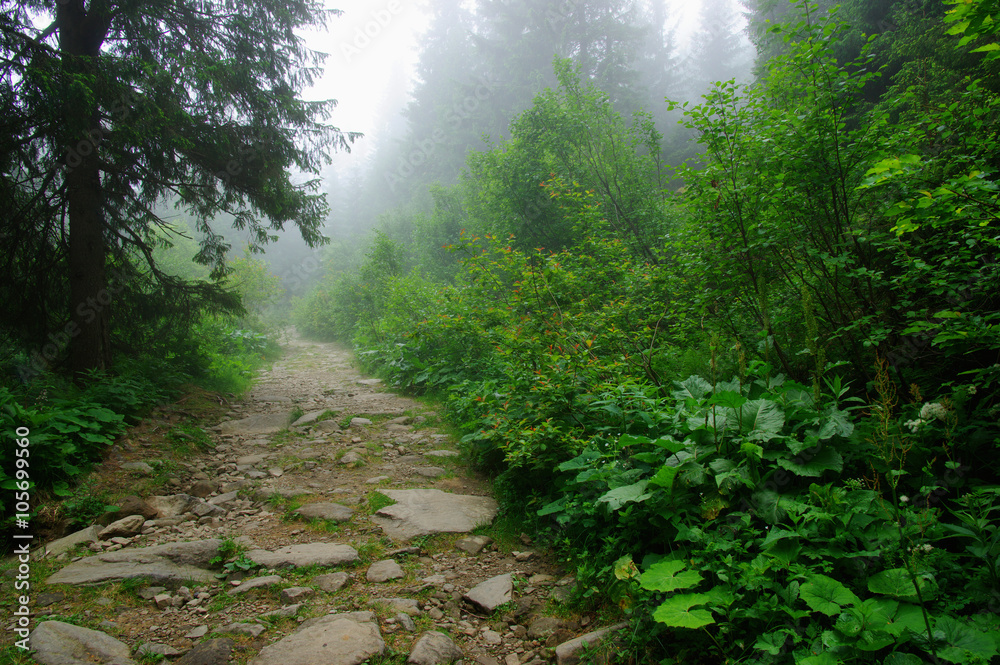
<point>298,482</point>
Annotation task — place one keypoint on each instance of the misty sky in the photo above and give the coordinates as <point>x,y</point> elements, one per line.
<point>373,50</point>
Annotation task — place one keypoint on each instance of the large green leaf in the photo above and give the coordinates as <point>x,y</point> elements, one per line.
<point>693,387</point>
<point>894,582</point>
<point>762,418</point>
<point>813,462</point>
<point>665,476</point>
<point>963,643</point>
<point>676,611</point>
<point>825,594</point>
<point>663,576</point>
<point>633,493</point>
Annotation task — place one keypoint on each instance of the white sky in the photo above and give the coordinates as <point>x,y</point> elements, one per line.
<point>373,50</point>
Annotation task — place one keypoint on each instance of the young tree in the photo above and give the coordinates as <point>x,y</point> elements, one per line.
<point>116,105</point>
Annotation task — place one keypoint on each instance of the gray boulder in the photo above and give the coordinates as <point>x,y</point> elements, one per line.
<point>58,643</point>
<point>319,554</point>
<point>167,564</point>
<point>492,593</point>
<point>434,648</point>
<point>331,640</point>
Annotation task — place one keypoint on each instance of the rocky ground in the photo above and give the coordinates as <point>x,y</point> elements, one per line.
<point>323,521</point>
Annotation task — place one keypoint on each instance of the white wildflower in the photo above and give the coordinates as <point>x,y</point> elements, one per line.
<point>914,425</point>
<point>904,499</point>
<point>971,389</point>
<point>928,547</point>
<point>932,410</point>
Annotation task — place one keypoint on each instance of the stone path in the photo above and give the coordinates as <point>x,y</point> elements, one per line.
<point>345,514</point>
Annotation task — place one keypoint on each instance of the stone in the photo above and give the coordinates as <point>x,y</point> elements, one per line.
<point>326,511</point>
<point>276,472</point>
<point>492,593</point>
<point>224,500</point>
<point>405,605</point>
<point>420,512</point>
<point>369,382</point>
<point>360,422</point>
<point>290,595</point>
<point>262,423</point>
<point>157,649</point>
<point>209,652</point>
<point>171,563</point>
<point>319,554</point>
<point>434,648</point>
<point>203,488</point>
<point>140,467</point>
<point>125,527</point>
<point>48,598</point>
<point>256,583</point>
<point>82,537</point>
<point>430,471</point>
<point>377,479</point>
<point>251,629</point>
<point>568,653</point>
<point>173,505</point>
<point>404,620</point>
<point>350,457</point>
<point>542,627</point>
<point>540,579</point>
<point>163,601</point>
<point>58,643</point>
<point>332,640</point>
<point>200,631</point>
<point>133,505</point>
<point>383,571</point>
<point>473,544</point>
<point>331,582</point>
<point>308,418</point>
<point>492,637</point>
<point>250,460</point>
<point>327,426</point>
<point>441,453</point>
<point>150,592</point>
<point>282,613</point>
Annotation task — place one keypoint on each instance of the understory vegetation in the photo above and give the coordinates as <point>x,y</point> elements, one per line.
<point>73,424</point>
<point>760,412</point>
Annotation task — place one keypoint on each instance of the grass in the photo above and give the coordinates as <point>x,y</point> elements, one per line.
<point>377,501</point>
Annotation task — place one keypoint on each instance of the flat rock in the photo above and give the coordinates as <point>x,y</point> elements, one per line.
<point>125,527</point>
<point>568,653</point>
<point>256,583</point>
<point>492,593</point>
<point>290,595</point>
<point>308,418</point>
<point>173,505</point>
<point>203,488</point>
<point>383,571</point>
<point>210,652</point>
<point>332,640</point>
<point>250,460</point>
<point>327,426</point>
<point>157,649</point>
<point>166,564</point>
<point>408,606</point>
<point>326,511</point>
<point>350,457</point>
<point>58,643</point>
<point>331,582</point>
<point>319,554</point>
<point>441,453</point>
<point>82,537</point>
<point>140,467</point>
<point>420,512</point>
<point>430,471</point>
<point>434,648</point>
<point>360,422</point>
<point>473,544</point>
<point>262,423</point>
<point>251,629</point>
<point>542,627</point>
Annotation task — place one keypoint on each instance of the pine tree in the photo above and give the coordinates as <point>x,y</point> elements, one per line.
<point>115,106</point>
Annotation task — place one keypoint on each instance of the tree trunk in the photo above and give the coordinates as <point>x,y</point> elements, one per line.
<point>81,34</point>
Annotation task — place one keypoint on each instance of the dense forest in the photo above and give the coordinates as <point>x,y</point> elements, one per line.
<point>718,313</point>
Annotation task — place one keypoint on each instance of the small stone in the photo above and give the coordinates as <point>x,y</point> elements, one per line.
<point>377,479</point>
<point>360,422</point>
<point>492,593</point>
<point>283,613</point>
<point>383,571</point>
<point>139,467</point>
<point>47,598</point>
<point>434,648</point>
<point>441,453</point>
<point>334,512</point>
<point>202,488</point>
<point>492,637</point>
<point>293,594</point>
<point>523,556</point>
<point>157,649</point>
<point>568,653</point>
<point>350,458</point>
<point>276,472</point>
<point>542,627</point>
<point>210,652</point>
<point>473,544</point>
<point>404,620</point>
<point>251,629</point>
<point>200,631</point>
<point>256,583</point>
<point>331,582</point>
<point>162,600</point>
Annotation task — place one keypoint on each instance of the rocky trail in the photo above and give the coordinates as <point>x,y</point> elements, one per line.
<point>324,521</point>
